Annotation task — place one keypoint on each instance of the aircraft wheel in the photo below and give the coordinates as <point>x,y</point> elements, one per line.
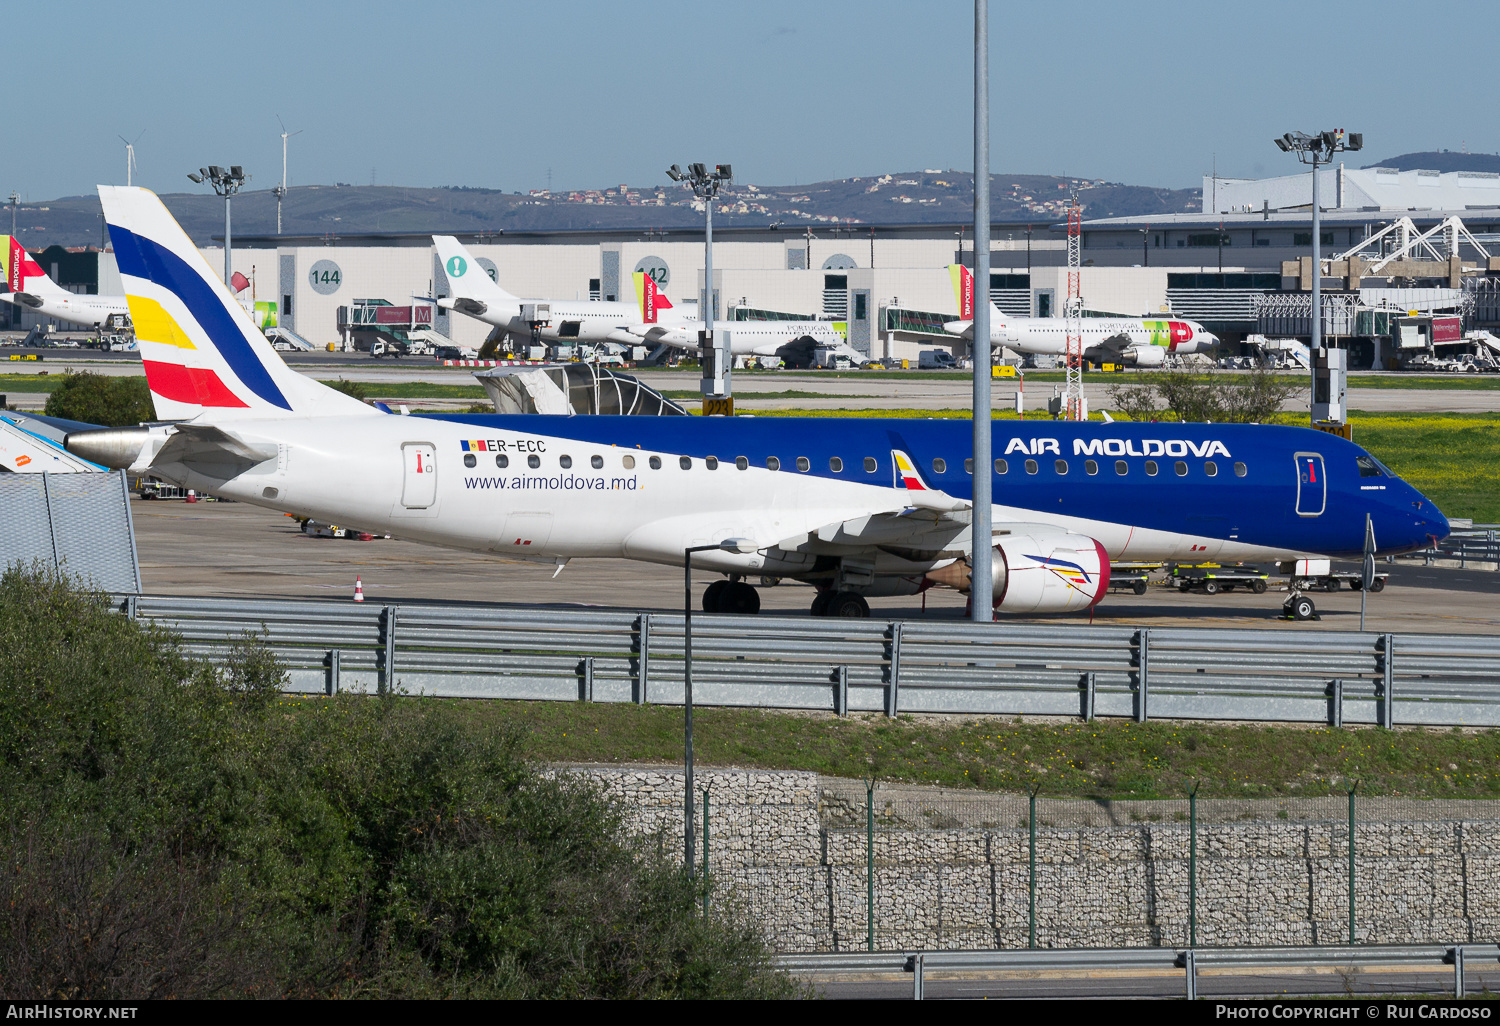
<point>848,605</point>
<point>1302,608</point>
<point>1259,587</point>
<point>1210,587</point>
<point>820,603</point>
<point>713,596</point>
<point>739,597</point>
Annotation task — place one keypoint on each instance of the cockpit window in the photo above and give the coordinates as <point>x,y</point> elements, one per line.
<point>1368,466</point>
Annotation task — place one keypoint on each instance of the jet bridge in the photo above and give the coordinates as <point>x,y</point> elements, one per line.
<point>571,389</point>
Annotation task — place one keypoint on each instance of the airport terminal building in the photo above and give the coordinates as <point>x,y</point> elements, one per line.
<point>1241,266</point>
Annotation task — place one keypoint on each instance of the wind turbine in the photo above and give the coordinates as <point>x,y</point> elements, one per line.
<point>130,157</point>
<point>280,190</point>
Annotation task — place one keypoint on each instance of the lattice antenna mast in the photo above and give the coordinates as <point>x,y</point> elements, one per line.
<point>1073,315</point>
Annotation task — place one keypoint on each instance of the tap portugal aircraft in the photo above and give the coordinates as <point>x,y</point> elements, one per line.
<point>857,507</point>
<point>1140,342</point>
<point>31,289</point>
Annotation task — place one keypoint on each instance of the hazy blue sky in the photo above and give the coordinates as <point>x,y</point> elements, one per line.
<point>493,94</point>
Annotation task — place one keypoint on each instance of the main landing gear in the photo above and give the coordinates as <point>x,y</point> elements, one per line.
<point>847,604</point>
<point>732,596</point>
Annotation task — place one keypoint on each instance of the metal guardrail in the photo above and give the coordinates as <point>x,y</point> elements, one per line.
<point>895,666</point>
<point>1470,546</point>
<point>1191,960</point>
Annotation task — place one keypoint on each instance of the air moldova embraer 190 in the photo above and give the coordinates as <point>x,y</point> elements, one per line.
<point>857,507</point>
<point>1139,342</point>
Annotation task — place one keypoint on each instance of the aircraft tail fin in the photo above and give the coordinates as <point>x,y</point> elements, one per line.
<point>23,273</point>
<point>203,356</point>
<point>649,299</point>
<point>466,278</point>
<point>963,290</point>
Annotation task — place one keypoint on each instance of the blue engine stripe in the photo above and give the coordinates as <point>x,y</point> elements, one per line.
<point>142,258</point>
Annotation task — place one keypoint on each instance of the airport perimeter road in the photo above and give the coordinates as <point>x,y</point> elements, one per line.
<point>1212,983</point>
<point>237,550</point>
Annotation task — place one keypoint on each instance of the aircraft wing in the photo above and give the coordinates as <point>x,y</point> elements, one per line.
<point>1114,344</point>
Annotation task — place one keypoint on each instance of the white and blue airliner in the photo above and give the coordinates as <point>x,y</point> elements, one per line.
<point>858,508</point>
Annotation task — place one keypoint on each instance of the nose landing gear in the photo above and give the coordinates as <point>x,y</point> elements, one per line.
<point>1300,607</point>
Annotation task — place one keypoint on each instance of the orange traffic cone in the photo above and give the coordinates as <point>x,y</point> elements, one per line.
<point>359,590</point>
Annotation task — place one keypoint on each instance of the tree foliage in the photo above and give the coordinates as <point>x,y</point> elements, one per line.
<point>1199,396</point>
<point>173,829</point>
<point>108,400</point>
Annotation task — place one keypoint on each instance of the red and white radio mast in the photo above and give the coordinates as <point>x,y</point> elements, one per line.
<point>1073,313</point>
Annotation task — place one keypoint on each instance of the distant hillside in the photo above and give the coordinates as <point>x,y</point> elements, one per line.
<point>1443,160</point>
<point>913,197</point>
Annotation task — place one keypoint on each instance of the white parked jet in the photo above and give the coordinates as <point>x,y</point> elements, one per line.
<point>568,321</point>
<point>1140,342</point>
<point>31,289</point>
<point>855,507</point>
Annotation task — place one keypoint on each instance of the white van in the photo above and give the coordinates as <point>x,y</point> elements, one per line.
<point>936,359</point>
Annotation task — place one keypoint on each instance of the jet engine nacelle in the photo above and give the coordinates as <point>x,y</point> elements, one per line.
<point>1145,356</point>
<point>1049,573</point>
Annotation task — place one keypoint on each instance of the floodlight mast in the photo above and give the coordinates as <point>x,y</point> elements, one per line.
<point>226,182</point>
<point>706,185</point>
<point>1315,150</point>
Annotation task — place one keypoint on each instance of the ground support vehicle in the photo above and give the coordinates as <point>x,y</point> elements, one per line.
<point>1210,578</point>
<point>1132,577</point>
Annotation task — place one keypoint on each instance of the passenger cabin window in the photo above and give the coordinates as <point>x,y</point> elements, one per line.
<point>870,465</point>
<point>969,466</point>
<point>1181,467</point>
<point>1211,469</point>
<point>502,461</point>
<point>1122,468</point>
<point>1061,467</point>
<point>804,464</point>
<point>470,459</point>
<point>940,466</point>
<point>1090,467</point>
<point>1239,470</point>
<point>685,462</point>
<point>1002,467</point>
<point>656,463</point>
<point>741,463</point>
<point>772,463</point>
<point>1031,466</point>
<point>628,462</point>
<point>566,462</point>
<point>533,462</point>
<point>1150,468</point>
<point>711,462</point>
<point>1367,465</point>
<point>835,464</point>
<point>597,462</point>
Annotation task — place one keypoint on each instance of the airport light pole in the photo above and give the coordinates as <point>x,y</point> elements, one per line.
<point>226,182</point>
<point>981,559</point>
<point>706,185</point>
<point>15,202</point>
<point>736,545</point>
<point>1315,150</point>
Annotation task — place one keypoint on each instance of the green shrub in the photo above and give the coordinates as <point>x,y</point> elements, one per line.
<point>203,835</point>
<point>107,400</point>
